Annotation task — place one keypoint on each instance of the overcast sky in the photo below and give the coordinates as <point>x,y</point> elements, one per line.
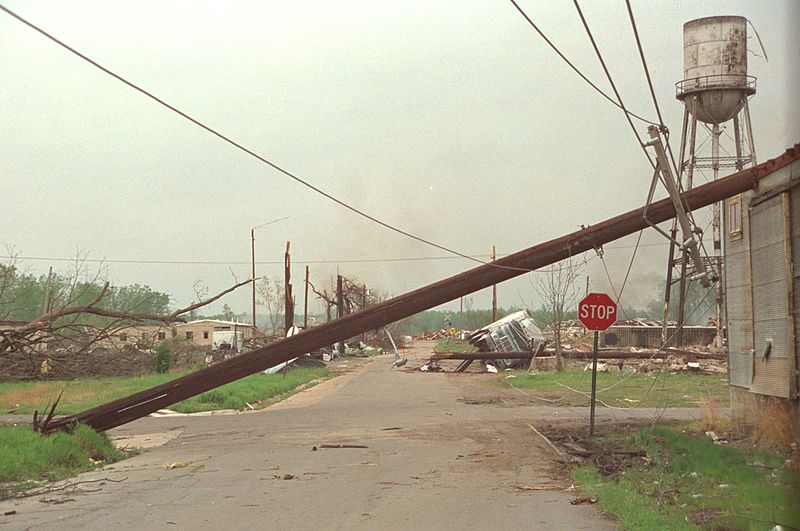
<point>452,120</point>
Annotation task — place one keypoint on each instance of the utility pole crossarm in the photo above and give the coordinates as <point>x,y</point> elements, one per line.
<point>688,233</point>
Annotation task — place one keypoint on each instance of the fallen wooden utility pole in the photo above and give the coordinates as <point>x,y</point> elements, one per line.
<point>640,355</point>
<point>481,355</point>
<point>130,408</point>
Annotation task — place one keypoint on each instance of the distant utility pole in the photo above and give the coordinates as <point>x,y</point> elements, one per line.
<point>253,261</point>
<point>494,290</point>
<point>47,292</point>
<point>305,304</point>
<point>340,306</point>
<point>288,301</point>
<point>364,307</point>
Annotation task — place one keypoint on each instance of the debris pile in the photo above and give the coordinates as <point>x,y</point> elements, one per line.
<point>100,361</point>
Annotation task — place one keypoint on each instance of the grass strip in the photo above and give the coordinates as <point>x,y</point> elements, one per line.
<point>681,389</point>
<point>688,481</point>
<point>27,456</point>
<point>250,390</point>
<point>85,393</point>
<point>454,345</point>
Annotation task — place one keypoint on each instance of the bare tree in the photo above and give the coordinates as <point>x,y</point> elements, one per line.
<point>328,296</point>
<point>271,294</point>
<point>83,311</point>
<point>556,287</point>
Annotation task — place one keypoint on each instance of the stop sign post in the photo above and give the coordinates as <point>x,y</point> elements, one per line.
<point>597,311</point>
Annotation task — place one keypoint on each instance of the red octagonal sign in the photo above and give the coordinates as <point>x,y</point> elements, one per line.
<point>597,311</point>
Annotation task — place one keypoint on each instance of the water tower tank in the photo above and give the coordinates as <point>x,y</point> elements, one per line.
<point>715,84</point>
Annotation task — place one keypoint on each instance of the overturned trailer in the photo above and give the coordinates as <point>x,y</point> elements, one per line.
<point>516,333</point>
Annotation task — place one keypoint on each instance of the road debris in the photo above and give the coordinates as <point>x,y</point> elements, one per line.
<point>538,487</point>
<point>176,464</point>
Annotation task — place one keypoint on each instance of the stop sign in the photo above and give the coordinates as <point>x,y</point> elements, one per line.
<point>597,311</point>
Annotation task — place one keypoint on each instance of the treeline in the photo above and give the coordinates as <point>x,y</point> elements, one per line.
<point>23,296</point>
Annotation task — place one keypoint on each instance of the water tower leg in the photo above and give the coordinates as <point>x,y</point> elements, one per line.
<point>737,139</point>
<point>749,127</point>
<point>715,134</point>
<point>688,168</point>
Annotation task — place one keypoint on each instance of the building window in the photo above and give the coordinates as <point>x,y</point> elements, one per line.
<point>162,336</point>
<point>189,335</point>
<point>735,217</point>
<point>123,337</point>
<point>205,334</point>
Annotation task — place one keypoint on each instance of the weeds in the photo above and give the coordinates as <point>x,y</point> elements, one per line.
<point>774,429</point>
<point>27,456</point>
<point>710,420</point>
<point>687,480</point>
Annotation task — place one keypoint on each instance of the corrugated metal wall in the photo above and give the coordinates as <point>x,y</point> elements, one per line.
<point>795,227</point>
<point>650,336</point>
<point>739,303</point>
<point>770,301</point>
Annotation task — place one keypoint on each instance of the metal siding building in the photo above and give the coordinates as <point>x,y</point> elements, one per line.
<point>762,261</point>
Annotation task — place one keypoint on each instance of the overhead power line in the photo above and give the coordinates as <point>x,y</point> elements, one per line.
<point>575,68</point>
<point>635,134</point>
<point>155,261</point>
<point>237,145</point>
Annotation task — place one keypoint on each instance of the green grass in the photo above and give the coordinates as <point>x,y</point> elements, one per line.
<point>454,345</point>
<point>633,509</point>
<point>687,478</point>
<point>79,395</point>
<point>85,393</point>
<point>252,389</point>
<point>674,390</point>
<point>27,456</point>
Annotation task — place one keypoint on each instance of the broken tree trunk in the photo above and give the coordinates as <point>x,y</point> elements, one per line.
<point>145,402</point>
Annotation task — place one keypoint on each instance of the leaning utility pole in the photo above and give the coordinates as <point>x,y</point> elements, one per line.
<point>147,401</point>
<point>494,290</point>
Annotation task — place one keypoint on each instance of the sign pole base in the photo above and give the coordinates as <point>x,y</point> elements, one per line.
<point>594,384</point>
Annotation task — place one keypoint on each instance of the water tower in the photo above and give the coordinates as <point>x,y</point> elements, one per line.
<point>715,90</point>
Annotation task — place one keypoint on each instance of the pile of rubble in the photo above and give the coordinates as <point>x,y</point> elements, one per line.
<point>99,361</point>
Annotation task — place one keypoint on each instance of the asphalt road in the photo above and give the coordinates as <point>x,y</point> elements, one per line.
<point>433,460</point>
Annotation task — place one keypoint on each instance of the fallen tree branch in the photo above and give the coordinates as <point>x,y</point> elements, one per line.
<point>548,441</point>
<point>174,315</point>
<point>65,486</point>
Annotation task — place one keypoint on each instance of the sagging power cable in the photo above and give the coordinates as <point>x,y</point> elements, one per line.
<point>246,150</point>
<point>574,68</point>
